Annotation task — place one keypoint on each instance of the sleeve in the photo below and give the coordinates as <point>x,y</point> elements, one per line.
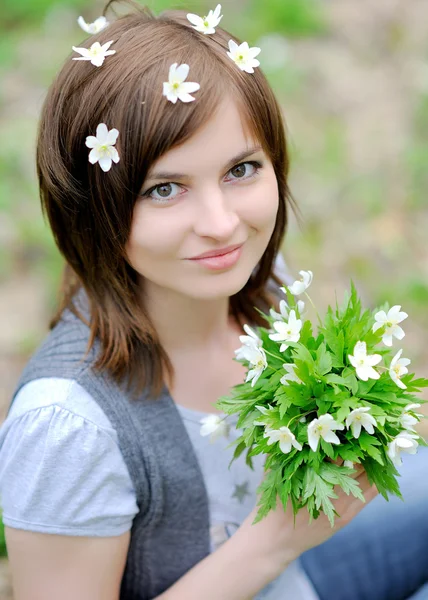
<point>62,474</point>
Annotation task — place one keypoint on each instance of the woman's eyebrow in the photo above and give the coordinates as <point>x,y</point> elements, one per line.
<point>165,175</point>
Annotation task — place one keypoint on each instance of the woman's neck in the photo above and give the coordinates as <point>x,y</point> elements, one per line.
<point>189,324</point>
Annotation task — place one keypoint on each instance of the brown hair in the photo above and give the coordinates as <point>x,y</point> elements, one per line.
<point>90,211</point>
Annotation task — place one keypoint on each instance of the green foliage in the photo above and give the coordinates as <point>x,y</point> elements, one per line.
<point>327,383</point>
<point>3,551</point>
<point>291,17</point>
<point>32,11</point>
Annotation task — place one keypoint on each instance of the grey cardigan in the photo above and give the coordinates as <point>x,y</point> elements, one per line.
<point>170,534</point>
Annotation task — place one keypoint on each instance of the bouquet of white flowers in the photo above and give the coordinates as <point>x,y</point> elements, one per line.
<point>317,404</point>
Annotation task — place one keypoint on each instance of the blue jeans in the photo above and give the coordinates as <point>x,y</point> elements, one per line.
<point>383,553</point>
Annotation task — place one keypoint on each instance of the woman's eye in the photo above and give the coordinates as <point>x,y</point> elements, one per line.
<point>164,192</point>
<point>244,170</point>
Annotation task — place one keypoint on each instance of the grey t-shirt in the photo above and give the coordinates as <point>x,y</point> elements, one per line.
<point>74,481</point>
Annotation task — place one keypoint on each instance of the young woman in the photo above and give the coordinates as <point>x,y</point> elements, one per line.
<point>170,230</point>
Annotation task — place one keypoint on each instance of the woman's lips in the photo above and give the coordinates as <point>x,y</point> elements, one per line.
<point>221,261</point>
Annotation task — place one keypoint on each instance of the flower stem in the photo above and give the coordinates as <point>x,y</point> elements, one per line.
<point>314,307</point>
<point>273,355</point>
<point>300,416</point>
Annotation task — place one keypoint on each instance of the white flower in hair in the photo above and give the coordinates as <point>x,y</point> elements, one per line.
<point>176,88</point>
<point>96,53</point>
<point>95,27</point>
<point>102,147</point>
<point>244,56</point>
<point>206,24</point>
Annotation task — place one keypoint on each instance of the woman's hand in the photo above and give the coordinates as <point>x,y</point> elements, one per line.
<point>278,539</point>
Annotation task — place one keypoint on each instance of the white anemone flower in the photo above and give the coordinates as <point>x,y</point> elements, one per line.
<point>404,442</point>
<point>324,427</point>
<point>206,24</point>
<point>96,53</point>
<point>408,421</point>
<point>364,363</point>
<point>215,426</point>
<point>359,418</point>
<point>302,284</point>
<point>176,88</point>
<point>102,147</point>
<point>95,27</point>
<point>284,308</point>
<point>251,340</point>
<point>257,360</point>
<point>285,437</point>
<point>283,311</point>
<point>287,332</point>
<point>398,368</point>
<point>290,374</point>
<point>349,464</point>
<point>390,322</point>
<point>244,56</point>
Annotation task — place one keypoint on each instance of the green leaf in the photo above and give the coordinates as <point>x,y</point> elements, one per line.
<point>324,360</point>
<point>238,451</point>
<point>384,477</point>
<point>301,353</point>
<point>328,448</point>
<point>323,492</point>
<point>366,440</point>
<point>268,494</point>
<point>336,343</point>
<point>333,378</point>
<point>337,475</point>
<point>308,483</point>
<point>284,401</point>
<point>376,454</point>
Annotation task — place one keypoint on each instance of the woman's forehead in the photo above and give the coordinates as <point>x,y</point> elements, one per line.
<point>224,136</point>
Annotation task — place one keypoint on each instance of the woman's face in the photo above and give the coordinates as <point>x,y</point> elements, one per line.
<point>216,190</point>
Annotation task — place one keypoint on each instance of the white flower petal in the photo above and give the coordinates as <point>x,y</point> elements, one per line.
<point>188,87</point>
<point>233,46</point>
<point>102,133</point>
<point>253,52</point>
<point>185,97</point>
<point>91,141</point>
<point>331,437</point>
<point>105,163</point>
<point>194,19</point>
<point>112,136</point>
<point>172,70</point>
<point>93,156</point>
<point>114,155</point>
<point>182,72</point>
<point>387,339</point>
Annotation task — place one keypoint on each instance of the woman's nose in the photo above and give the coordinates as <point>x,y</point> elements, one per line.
<point>215,216</point>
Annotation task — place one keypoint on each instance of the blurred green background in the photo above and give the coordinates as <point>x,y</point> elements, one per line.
<point>352,77</point>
